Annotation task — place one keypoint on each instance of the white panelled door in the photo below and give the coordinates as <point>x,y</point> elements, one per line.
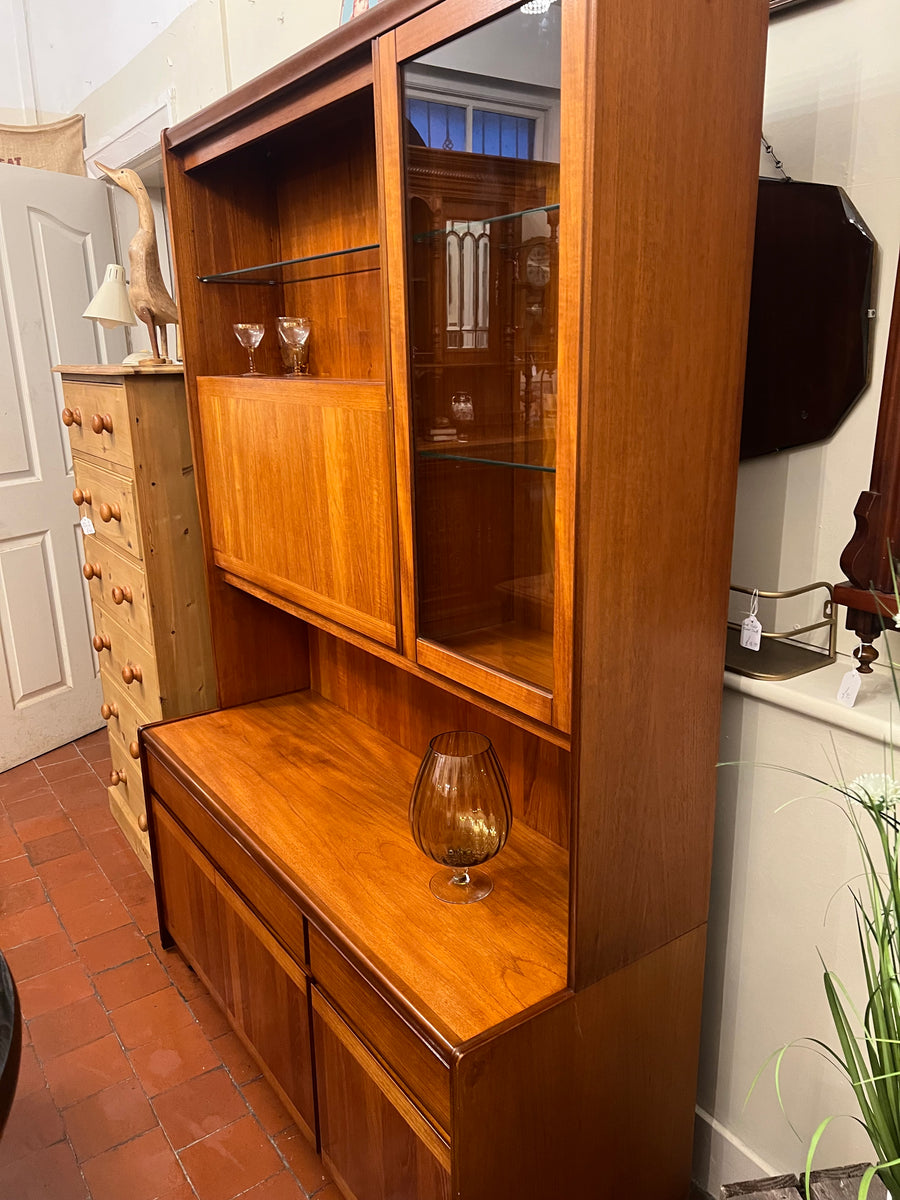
<point>55,241</point>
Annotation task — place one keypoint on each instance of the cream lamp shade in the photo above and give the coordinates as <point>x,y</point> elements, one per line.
<point>110,306</point>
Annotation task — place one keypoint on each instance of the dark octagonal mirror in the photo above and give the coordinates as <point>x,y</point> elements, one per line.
<point>808,343</point>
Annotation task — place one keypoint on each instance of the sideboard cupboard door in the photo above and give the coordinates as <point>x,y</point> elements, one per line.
<point>189,902</point>
<point>375,1142</point>
<point>300,490</point>
<point>267,995</point>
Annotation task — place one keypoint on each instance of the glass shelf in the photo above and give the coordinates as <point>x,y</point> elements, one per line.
<point>242,274</point>
<point>447,456</point>
<point>523,212</point>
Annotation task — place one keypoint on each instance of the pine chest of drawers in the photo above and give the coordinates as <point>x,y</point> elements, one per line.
<point>143,559</point>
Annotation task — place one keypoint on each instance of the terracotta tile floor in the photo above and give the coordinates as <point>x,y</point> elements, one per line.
<point>132,1086</point>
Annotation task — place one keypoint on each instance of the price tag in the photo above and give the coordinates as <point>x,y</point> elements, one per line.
<point>87,525</point>
<point>849,689</point>
<point>751,630</point>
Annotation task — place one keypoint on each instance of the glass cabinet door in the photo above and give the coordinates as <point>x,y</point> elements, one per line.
<point>482,132</point>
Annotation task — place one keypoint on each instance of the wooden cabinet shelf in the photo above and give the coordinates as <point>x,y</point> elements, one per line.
<point>513,648</point>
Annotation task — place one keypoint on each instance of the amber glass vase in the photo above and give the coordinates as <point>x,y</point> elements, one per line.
<point>460,813</point>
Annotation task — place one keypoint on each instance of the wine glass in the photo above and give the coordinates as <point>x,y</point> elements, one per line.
<point>294,333</point>
<point>460,813</point>
<point>250,335</point>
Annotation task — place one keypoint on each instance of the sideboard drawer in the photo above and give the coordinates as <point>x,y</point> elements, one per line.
<point>249,879</point>
<point>120,586</point>
<point>100,424</point>
<point>112,508</point>
<point>129,660</point>
<point>405,1053</point>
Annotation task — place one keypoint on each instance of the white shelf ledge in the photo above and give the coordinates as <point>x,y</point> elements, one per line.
<point>875,714</point>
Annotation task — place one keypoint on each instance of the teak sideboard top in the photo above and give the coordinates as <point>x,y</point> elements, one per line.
<point>330,796</point>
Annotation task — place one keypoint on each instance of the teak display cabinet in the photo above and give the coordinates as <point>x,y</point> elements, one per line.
<point>501,500</point>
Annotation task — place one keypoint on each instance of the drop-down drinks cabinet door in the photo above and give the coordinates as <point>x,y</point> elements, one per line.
<point>500,499</point>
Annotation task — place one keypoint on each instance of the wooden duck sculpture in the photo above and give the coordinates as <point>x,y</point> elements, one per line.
<point>147,293</point>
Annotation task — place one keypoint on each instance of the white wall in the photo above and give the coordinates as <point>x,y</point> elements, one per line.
<point>121,64</point>
<point>832,110</point>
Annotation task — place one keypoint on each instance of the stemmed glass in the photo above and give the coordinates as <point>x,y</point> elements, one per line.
<point>460,813</point>
<point>294,333</point>
<point>250,335</point>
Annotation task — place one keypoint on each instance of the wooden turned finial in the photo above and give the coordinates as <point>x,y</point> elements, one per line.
<point>865,654</point>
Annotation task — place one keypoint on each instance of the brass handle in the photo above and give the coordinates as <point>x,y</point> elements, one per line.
<point>134,750</point>
<point>122,595</point>
<point>109,710</point>
<point>100,642</point>
<point>116,777</point>
<point>71,416</point>
<point>130,673</point>
<point>142,822</point>
<point>92,571</point>
<point>110,512</point>
<point>101,422</point>
<point>81,497</point>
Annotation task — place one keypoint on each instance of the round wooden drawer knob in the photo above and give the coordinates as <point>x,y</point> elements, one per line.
<point>116,777</point>
<point>110,512</point>
<point>101,423</point>
<point>92,571</point>
<point>131,673</point>
<point>142,822</point>
<point>134,750</point>
<point>100,642</point>
<point>109,710</point>
<point>71,416</point>
<point>81,497</point>
<point>122,595</point>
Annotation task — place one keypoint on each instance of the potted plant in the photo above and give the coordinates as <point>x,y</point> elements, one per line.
<point>867,1027</point>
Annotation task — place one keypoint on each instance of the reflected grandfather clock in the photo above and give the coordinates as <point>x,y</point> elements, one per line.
<point>868,591</point>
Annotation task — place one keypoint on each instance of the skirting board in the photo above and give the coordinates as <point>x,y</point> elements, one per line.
<point>720,1157</point>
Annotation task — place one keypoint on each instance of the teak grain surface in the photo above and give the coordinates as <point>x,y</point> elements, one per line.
<point>325,798</point>
<point>300,492</point>
<point>667,298</point>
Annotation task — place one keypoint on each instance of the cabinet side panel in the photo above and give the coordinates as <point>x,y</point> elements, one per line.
<point>173,554</point>
<point>258,650</point>
<point>595,1094</point>
<point>674,143</point>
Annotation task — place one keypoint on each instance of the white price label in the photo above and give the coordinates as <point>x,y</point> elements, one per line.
<point>751,633</point>
<point>849,689</point>
<point>87,525</point>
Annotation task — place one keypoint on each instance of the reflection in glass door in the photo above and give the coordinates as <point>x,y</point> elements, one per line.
<point>482,191</point>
